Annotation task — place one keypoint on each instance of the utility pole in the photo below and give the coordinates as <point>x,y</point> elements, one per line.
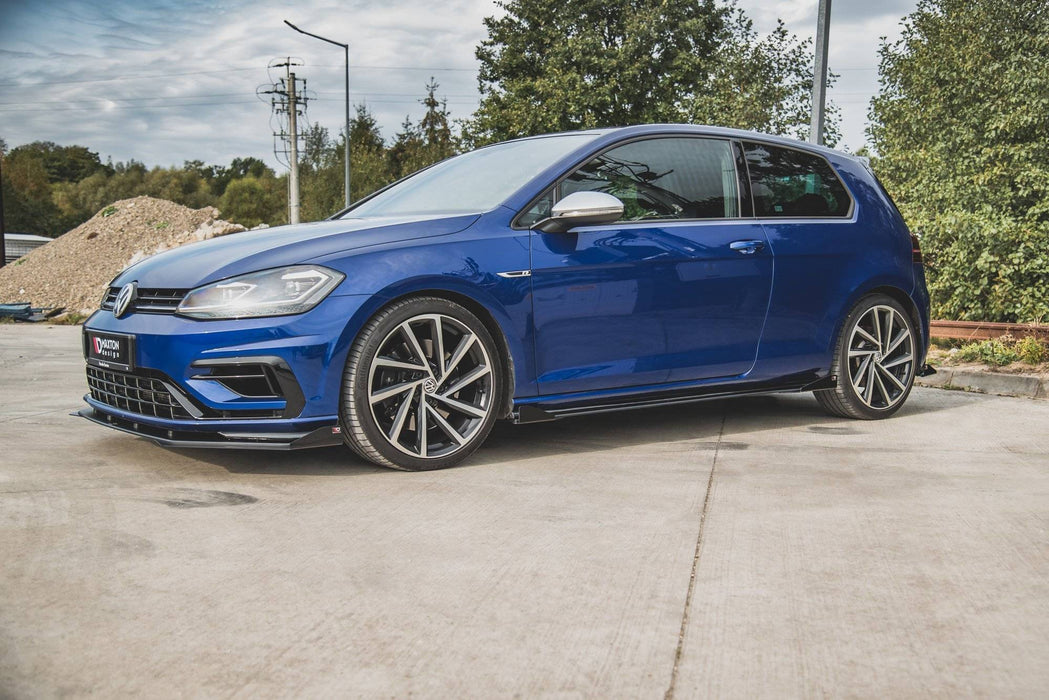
<point>293,154</point>
<point>3,238</point>
<point>819,73</point>
<point>286,99</point>
<point>346,140</point>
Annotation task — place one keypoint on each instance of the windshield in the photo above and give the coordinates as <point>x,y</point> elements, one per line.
<point>473,182</point>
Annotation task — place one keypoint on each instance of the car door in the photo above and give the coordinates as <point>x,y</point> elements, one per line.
<point>677,290</point>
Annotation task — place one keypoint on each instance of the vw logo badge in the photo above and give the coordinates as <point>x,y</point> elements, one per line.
<point>128,293</point>
<point>430,386</point>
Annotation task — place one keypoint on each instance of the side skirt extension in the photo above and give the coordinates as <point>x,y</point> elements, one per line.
<point>553,409</point>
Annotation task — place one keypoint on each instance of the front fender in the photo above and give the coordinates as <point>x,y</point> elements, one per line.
<point>469,268</point>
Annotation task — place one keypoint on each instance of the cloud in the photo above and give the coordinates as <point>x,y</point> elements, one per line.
<point>164,81</point>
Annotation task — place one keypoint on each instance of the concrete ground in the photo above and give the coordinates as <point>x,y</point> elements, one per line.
<point>748,548</point>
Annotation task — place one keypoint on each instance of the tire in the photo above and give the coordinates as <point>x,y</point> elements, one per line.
<point>402,413</point>
<point>874,360</point>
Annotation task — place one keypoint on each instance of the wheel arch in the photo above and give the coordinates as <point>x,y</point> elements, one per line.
<point>893,292</point>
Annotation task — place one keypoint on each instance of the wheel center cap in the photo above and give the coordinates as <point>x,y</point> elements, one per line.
<point>878,357</point>
<point>430,386</point>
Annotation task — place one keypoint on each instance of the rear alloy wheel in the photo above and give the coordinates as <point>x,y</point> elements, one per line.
<point>422,386</point>
<point>875,361</point>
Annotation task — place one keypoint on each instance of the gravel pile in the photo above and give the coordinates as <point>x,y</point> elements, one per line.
<point>74,269</point>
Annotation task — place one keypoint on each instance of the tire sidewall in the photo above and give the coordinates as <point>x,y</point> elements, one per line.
<point>367,345</point>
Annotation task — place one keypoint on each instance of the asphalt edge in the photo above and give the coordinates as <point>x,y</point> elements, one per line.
<point>1023,385</point>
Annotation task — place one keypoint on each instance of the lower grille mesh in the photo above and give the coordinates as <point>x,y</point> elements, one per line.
<point>129,392</point>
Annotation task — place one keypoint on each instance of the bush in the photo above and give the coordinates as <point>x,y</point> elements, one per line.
<point>1005,350</point>
<point>1032,351</point>
<point>983,266</point>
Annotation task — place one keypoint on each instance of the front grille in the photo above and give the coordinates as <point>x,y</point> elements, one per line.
<point>146,396</point>
<point>149,301</point>
<point>150,393</point>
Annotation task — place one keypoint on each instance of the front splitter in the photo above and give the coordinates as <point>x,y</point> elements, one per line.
<point>325,436</point>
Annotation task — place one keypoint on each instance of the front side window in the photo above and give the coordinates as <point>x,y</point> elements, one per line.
<point>665,178</point>
<point>787,183</point>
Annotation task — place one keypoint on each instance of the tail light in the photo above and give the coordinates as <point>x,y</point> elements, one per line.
<point>916,250</point>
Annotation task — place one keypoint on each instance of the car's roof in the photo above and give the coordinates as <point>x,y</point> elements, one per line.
<point>616,133</point>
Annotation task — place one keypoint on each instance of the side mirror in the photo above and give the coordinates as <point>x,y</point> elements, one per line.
<point>582,209</point>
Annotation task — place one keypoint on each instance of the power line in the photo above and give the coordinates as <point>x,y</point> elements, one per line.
<point>150,76</point>
<point>96,100</point>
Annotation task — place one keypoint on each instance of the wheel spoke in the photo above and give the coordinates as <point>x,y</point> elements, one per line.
<point>881,387</point>
<point>896,342</point>
<point>438,348</point>
<point>443,425</point>
<point>467,380</point>
<point>888,328</point>
<point>417,348</point>
<point>420,425</point>
<point>886,373</point>
<point>877,325</point>
<point>402,415</point>
<point>465,343</point>
<point>398,364</point>
<point>861,353</point>
<point>860,371</point>
<point>461,407</point>
<point>868,390</point>
<point>387,392</point>
<point>867,336</point>
<point>898,361</point>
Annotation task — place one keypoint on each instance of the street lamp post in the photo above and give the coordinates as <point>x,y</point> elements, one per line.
<point>346,140</point>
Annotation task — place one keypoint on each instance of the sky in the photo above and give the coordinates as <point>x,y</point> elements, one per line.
<point>163,82</point>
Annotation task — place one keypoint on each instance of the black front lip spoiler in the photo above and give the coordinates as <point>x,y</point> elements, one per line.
<point>325,436</point>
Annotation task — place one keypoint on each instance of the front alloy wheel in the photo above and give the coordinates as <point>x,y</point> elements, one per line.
<point>875,361</point>
<point>422,386</point>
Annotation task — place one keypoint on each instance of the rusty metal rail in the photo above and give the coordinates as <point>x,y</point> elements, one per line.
<point>980,330</point>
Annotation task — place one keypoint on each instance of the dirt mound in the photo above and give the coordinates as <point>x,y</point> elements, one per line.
<point>74,269</point>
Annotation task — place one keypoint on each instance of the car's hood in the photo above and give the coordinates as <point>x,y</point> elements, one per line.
<point>200,263</point>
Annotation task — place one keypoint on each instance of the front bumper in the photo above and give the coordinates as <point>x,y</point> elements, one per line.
<point>181,393</point>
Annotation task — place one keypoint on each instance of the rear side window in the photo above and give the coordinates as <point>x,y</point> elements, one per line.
<point>787,183</point>
<point>664,178</point>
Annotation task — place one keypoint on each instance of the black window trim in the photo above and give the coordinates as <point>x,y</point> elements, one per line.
<point>737,149</point>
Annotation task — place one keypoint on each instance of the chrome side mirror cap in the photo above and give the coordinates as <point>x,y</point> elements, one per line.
<point>582,209</point>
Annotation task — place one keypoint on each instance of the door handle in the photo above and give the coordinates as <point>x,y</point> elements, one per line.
<point>747,247</point>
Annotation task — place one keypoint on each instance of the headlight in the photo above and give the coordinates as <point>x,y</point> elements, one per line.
<point>280,292</point>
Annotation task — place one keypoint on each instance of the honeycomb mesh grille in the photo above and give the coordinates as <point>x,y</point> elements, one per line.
<point>145,396</point>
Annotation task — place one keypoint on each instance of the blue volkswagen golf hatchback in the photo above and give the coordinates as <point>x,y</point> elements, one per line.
<point>529,280</point>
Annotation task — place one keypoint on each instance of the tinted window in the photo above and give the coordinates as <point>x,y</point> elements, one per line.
<point>789,183</point>
<point>671,178</point>
<point>473,182</point>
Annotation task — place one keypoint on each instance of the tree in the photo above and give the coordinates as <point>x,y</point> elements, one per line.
<point>557,66</point>
<point>62,163</point>
<point>371,169</point>
<point>251,200</point>
<point>961,131</point>
<point>405,155</point>
<point>28,207</point>
<point>436,133</point>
